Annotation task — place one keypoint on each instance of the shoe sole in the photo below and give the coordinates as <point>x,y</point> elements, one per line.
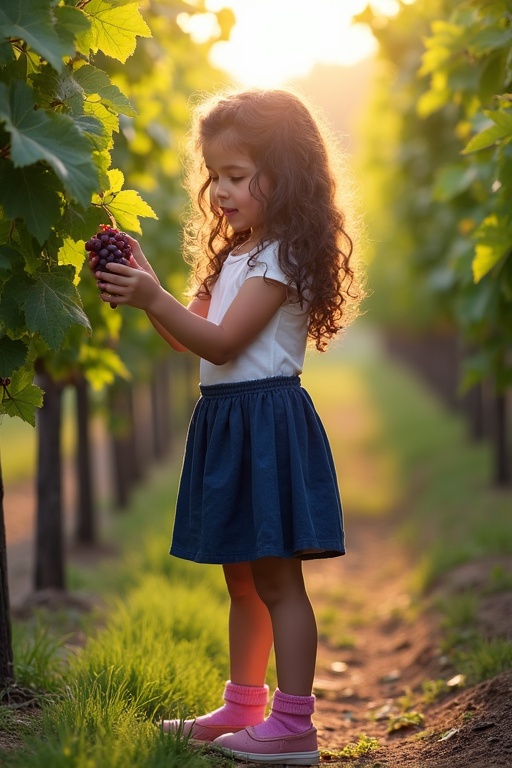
<point>282,758</point>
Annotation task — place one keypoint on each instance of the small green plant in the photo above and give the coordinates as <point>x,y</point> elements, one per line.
<point>433,690</point>
<point>485,659</point>
<point>364,745</point>
<point>500,580</point>
<point>406,701</point>
<point>459,611</point>
<point>405,720</point>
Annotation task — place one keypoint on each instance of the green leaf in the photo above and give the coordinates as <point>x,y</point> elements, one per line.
<point>32,194</point>
<point>37,135</point>
<point>113,29</point>
<point>71,22</point>
<point>489,39</point>
<point>486,138</point>
<point>126,207</point>
<point>53,305</point>
<point>486,257</point>
<point>32,20</point>
<point>494,240</point>
<point>6,53</point>
<point>21,398</point>
<point>95,81</point>
<point>452,180</point>
<point>13,353</point>
<point>80,224</point>
<point>73,253</point>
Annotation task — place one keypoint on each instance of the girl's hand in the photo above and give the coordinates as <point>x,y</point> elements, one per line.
<point>139,258</point>
<point>131,285</point>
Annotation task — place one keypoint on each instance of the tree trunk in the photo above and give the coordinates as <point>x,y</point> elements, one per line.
<point>502,462</point>
<point>86,519</point>
<point>475,412</point>
<point>160,410</point>
<point>126,470</point>
<point>49,556</point>
<point>6,655</point>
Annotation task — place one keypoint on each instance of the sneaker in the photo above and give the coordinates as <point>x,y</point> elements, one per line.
<point>191,729</point>
<point>294,749</point>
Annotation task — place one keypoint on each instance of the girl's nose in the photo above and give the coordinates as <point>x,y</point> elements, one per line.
<point>221,191</point>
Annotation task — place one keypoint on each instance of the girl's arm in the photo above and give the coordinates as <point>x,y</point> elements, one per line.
<point>196,306</point>
<point>138,260</point>
<point>254,306</point>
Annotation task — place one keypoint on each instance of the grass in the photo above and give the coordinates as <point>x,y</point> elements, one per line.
<point>158,645</point>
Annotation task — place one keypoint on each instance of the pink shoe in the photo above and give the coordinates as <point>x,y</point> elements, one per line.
<point>189,728</point>
<point>295,749</point>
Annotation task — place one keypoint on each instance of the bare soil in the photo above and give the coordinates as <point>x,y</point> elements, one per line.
<point>362,686</point>
<point>365,688</point>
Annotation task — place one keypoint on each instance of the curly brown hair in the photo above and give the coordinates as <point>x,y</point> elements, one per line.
<point>302,210</point>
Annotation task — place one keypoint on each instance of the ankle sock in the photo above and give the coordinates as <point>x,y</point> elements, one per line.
<point>289,714</point>
<point>244,705</point>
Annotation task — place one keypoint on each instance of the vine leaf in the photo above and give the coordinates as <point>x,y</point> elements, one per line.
<point>94,81</point>
<point>21,397</point>
<point>13,353</point>
<point>52,305</point>
<point>37,135</point>
<point>32,20</point>
<point>113,29</point>
<point>125,205</point>
<point>31,193</point>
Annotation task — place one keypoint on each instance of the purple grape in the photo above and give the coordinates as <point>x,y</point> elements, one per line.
<point>111,246</point>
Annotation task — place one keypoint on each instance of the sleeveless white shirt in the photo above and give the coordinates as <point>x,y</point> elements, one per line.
<point>280,348</point>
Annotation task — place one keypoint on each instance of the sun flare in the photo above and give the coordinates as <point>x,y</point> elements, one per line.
<point>275,41</point>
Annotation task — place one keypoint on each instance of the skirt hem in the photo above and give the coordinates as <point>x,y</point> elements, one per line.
<point>304,553</point>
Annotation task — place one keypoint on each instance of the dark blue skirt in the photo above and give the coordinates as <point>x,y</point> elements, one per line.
<point>258,477</point>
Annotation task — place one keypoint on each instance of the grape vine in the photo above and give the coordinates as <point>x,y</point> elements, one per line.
<point>58,116</point>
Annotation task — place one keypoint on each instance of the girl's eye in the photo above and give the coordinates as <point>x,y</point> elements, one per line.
<point>236,178</point>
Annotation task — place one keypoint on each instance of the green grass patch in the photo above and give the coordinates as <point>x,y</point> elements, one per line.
<point>484,659</point>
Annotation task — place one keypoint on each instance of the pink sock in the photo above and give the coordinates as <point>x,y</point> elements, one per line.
<point>244,705</point>
<point>290,714</point>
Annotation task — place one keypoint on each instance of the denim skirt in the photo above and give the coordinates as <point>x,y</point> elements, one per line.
<point>258,477</point>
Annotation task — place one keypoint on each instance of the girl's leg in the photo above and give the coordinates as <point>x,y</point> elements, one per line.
<point>280,584</point>
<point>250,640</point>
<point>250,627</point>
<point>287,736</point>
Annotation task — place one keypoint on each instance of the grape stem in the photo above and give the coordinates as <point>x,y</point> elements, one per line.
<point>110,216</point>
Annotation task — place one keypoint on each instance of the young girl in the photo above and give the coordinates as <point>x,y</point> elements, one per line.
<point>258,491</point>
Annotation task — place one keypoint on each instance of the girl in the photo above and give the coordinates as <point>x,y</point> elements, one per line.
<point>258,492</point>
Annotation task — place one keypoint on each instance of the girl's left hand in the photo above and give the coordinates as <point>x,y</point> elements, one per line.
<point>127,285</point>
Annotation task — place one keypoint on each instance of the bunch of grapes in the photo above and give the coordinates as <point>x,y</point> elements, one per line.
<point>110,245</point>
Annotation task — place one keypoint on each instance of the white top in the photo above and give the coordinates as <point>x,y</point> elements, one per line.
<point>280,348</point>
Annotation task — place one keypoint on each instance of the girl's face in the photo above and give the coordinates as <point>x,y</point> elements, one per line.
<point>231,172</point>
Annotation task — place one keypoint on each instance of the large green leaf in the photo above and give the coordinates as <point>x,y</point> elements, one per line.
<point>53,305</point>
<point>30,193</point>
<point>113,29</point>
<point>13,353</point>
<point>95,81</point>
<point>125,205</point>
<point>33,21</point>
<point>21,397</point>
<point>490,39</point>
<point>37,135</point>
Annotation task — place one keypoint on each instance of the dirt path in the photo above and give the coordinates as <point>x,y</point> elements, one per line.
<point>375,652</point>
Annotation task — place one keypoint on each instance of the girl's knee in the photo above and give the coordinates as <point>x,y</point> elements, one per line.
<point>278,580</point>
<point>239,580</point>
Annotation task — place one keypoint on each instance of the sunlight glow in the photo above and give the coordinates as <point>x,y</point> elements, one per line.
<point>274,41</point>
